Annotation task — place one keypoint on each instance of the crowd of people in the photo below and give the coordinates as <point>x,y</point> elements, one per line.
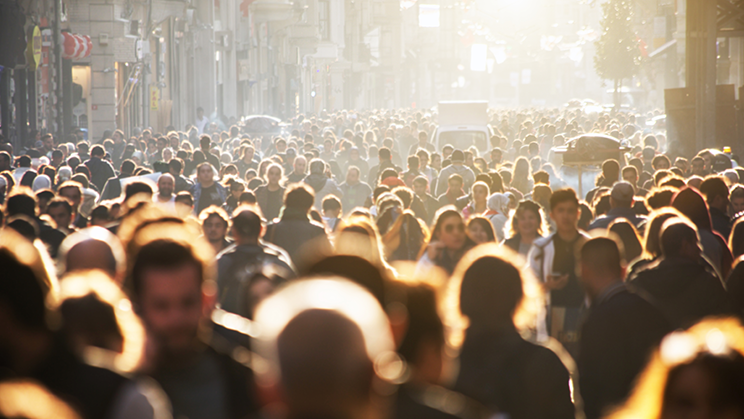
<point>353,268</point>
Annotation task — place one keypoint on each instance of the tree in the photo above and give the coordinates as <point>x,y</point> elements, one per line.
<point>618,56</point>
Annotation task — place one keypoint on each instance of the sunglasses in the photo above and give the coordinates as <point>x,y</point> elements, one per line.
<point>450,228</point>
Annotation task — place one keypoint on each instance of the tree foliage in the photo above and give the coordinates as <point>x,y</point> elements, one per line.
<point>618,55</point>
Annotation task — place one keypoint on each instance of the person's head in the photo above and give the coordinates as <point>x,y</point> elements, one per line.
<point>215,224</point>
<point>331,207</point>
<point>698,166</point>
<point>384,154</point>
<point>71,191</point>
<point>736,197</point>
<point>621,195</point>
<point>661,162</point>
<point>299,197</point>
<point>185,198</point>
<point>246,224</point>
<point>324,355</point>
<point>602,264</point>
<point>204,142</point>
<point>527,220</point>
<point>166,185</point>
<point>716,192</point>
<point>317,167</point>
<point>413,163</point>
<point>205,173</point>
<point>455,182</point>
<point>490,290</point>
<point>171,286</point>
<point>480,192</point>
<point>691,203</point>
<point>611,170</point>
<point>274,174</point>
<point>564,209</point>
<point>200,112</point>
<point>300,165</point>
<point>60,210</point>
<point>97,151</point>
<point>630,175</point>
<point>449,228</point>
<point>457,157</point>
<point>480,230</point>
<point>679,240</point>
<point>93,248</point>
<point>352,175</point>
<point>697,373</point>
<point>48,141</point>
<point>420,185</point>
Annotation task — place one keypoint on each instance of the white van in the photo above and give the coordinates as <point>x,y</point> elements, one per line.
<point>463,124</point>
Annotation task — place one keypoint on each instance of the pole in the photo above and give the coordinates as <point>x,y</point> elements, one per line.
<point>57,73</point>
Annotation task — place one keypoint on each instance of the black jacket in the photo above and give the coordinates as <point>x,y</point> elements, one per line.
<point>721,222</point>
<point>684,290</point>
<point>512,376</point>
<point>100,172</point>
<point>619,333</point>
<point>293,231</point>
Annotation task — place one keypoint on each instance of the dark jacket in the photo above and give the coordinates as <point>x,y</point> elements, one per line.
<point>513,242</point>
<point>721,222</point>
<point>617,337</point>
<point>262,199</point>
<point>238,265</point>
<point>293,231</point>
<point>430,402</point>
<point>510,375</point>
<point>100,171</point>
<point>619,212</point>
<point>684,290</point>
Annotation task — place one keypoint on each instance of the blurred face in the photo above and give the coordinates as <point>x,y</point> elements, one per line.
<point>61,217</point>
<point>352,177</point>
<point>161,143</point>
<point>165,186</point>
<point>281,146</point>
<point>274,175</point>
<point>452,233</point>
<point>423,161</point>
<point>527,223</point>
<point>480,194</point>
<point>248,156</point>
<point>630,177</point>
<point>477,233</point>
<point>73,195</point>
<point>565,215</point>
<point>354,154</point>
<point>455,185</point>
<point>171,306</point>
<point>691,395</point>
<point>237,190</point>
<point>662,165</point>
<point>205,174</point>
<point>214,229</point>
<point>300,165</point>
<point>698,168</point>
<point>737,204</point>
<point>419,188</point>
<point>436,162</point>
<point>49,143</point>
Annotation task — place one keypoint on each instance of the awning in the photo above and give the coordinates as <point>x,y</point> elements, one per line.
<point>662,49</point>
<point>75,46</point>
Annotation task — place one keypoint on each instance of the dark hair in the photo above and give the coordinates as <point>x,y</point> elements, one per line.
<point>490,292</point>
<point>135,188</point>
<point>247,197</point>
<point>356,269</point>
<point>97,151</point>
<point>247,222</point>
<point>712,187</point>
<point>24,294</point>
<point>563,195</point>
<point>485,224</point>
<point>736,238</point>
<point>331,203</point>
<point>405,195</point>
<point>541,176</point>
<point>60,202</point>
<point>184,197</point>
<point>674,234</point>
<point>603,254</point>
<point>162,254</point>
<point>413,161</point>
<point>21,202</point>
<point>299,197</point>
<point>384,153</point>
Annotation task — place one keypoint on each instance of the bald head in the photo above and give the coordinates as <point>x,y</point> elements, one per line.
<point>325,369</point>
<point>91,254</point>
